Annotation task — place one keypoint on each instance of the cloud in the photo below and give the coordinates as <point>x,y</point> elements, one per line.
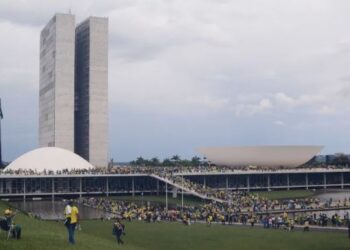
<point>251,109</point>
<point>303,100</point>
<point>279,123</point>
<point>245,64</point>
<point>283,99</point>
<point>326,110</point>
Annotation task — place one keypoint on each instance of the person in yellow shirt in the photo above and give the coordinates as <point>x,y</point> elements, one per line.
<point>16,229</point>
<point>209,220</point>
<point>291,224</point>
<point>74,215</point>
<point>72,219</point>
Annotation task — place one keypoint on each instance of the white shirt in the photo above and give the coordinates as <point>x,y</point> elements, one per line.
<point>67,210</point>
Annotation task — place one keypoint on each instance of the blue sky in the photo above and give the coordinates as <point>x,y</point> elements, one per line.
<point>185,74</point>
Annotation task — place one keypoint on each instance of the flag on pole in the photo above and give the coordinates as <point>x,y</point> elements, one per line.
<point>1,114</point>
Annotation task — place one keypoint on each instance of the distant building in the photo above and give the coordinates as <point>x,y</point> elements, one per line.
<point>73,98</point>
<point>91,90</point>
<point>286,156</point>
<point>56,88</point>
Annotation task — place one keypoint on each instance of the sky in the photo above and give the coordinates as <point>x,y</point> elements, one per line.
<point>185,74</point>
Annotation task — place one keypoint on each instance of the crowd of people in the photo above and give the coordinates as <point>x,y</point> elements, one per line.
<point>173,176</point>
<point>249,201</point>
<point>129,169</point>
<point>198,188</point>
<point>243,210</point>
<point>242,200</point>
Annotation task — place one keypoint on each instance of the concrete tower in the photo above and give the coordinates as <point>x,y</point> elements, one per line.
<point>91,90</point>
<point>56,96</point>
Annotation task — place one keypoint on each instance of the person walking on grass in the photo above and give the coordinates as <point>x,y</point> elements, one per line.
<point>72,219</point>
<point>209,220</point>
<point>118,231</point>
<point>306,226</point>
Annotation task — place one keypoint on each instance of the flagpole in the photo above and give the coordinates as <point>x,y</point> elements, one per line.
<point>166,196</point>
<point>0,146</point>
<point>0,136</point>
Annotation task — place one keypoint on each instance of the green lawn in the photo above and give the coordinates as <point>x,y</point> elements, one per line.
<point>285,194</point>
<point>96,235</point>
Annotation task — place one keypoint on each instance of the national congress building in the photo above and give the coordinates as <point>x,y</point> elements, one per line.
<point>73,97</point>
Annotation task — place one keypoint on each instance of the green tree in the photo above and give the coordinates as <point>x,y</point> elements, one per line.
<point>205,162</point>
<point>155,161</point>
<point>195,161</point>
<point>185,163</point>
<point>133,163</point>
<point>140,161</point>
<point>341,160</point>
<point>167,162</point>
<point>176,160</point>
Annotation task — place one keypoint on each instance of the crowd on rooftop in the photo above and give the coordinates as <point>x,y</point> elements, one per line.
<point>130,169</point>
<point>171,174</point>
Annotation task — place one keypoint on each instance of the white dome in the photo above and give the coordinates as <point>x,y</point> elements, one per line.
<point>49,158</point>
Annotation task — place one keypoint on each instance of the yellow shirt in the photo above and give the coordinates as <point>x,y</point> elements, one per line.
<point>74,215</point>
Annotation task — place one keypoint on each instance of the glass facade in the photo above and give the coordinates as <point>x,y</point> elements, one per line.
<point>91,90</point>
<point>83,185</point>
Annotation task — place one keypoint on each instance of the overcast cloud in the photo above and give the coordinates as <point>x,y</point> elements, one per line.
<point>184,74</point>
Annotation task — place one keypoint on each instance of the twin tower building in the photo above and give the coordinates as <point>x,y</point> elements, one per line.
<point>73,98</point>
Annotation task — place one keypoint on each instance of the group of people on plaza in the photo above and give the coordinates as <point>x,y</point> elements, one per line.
<point>172,174</point>
<point>242,210</point>
<point>237,212</point>
<point>226,206</point>
<point>210,212</point>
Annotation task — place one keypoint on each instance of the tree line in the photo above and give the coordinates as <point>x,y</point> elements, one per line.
<point>195,161</point>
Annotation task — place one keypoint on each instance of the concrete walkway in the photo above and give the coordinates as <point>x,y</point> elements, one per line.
<point>189,191</point>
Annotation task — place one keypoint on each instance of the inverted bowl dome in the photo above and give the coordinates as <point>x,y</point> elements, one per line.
<point>264,156</point>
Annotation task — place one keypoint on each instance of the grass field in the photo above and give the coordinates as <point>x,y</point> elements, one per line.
<point>286,194</point>
<point>96,235</point>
